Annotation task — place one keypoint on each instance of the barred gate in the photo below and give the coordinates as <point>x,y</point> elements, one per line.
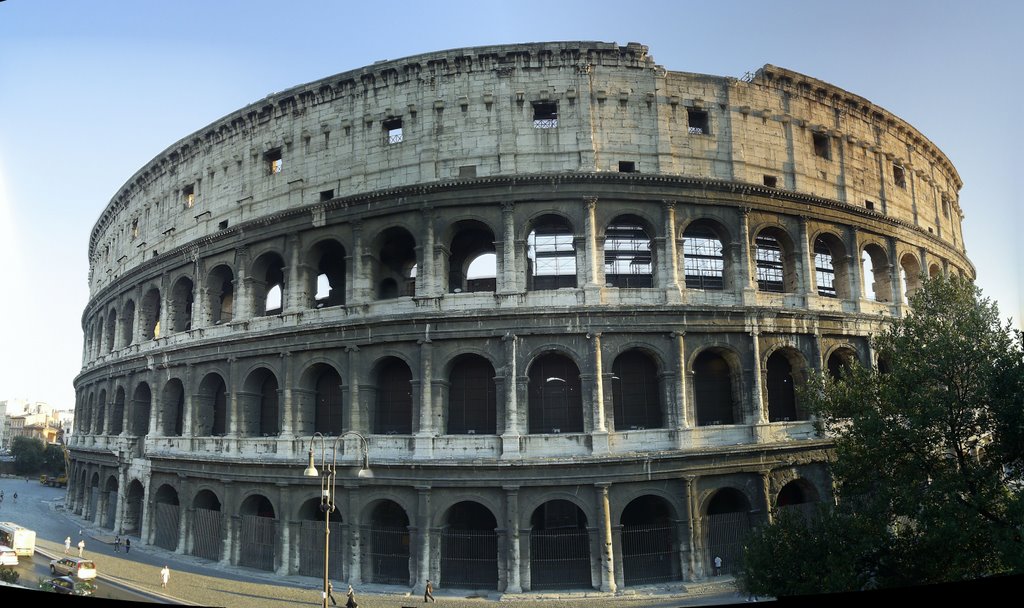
<point>258,542</point>
<point>469,559</point>
<point>207,533</point>
<point>111,514</point>
<point>649,554</point>
<point>167,526</point>
<point>311,549</point>
<point>387,554</point>
<point>560,559</point>
<point>724,536</point>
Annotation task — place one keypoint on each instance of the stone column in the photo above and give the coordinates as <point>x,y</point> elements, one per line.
<point>607,554</point>
<point>423,523</point>
<point>766,492</point>
<point>759,415</point>
<point>508,278</point>
<point>355,573</point>
<point>242,298</point>
<point>668,266</point>
<point>805,253</point>
<point>426,279</point>
<point>745,269</point>
<point>184,514</point>
<point>286,398</point>
<point>231,399</point>
<point>512,525</point>
<point>293,300</point>
<point>283,565</point>
<point>597,387</point>
<point>510,438</point>
<point>591,252</point>
<point>680,414</point>
<point>694,562</point>
<point>147,511</point>
<point>187,414</point>
<point>359,287</point>
<point>353,413</point>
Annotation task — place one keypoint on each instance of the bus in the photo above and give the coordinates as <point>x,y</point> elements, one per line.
<point>22,540</point>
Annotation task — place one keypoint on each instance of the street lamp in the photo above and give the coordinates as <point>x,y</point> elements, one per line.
<point>327,479</point>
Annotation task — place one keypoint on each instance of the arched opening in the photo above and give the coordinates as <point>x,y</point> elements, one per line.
<point>109,517</point>
<point>168,516</point>
<point>101,408</point>
<point>268,285</point>
<point>128,323</point>
<point>85,424</point>
<point>469,547</point>
<point>258,405</point>
<point>311,541</point>
<point>472,400</point>
<point>556,405</point>
<point>207,526</point>
<point>111,326</point>
<point>211,407</point>
<point>117,412</point>
<point>781,381</point>
<point>824,269</point>
<point>257,533</point>
<point>725,530</point>
<point>150,314</point>
<point>220,286</point>
<point>840,362</point>
<point>797,496</point>
<point>142,402</point>
<point>181,305</point>
<point>649,539</point>
<point>386,545</point>
<point>935,271</point>
<point>910,275</point>
<point>172,402</point>
<point>636,393</point>
<point>471,266</point>
<point>392,413</point>
<point>877,285</point>
<point>97,337</point>
<point>550,254</point>
<point>93,498</point>
<point>559,547</point>
<point>703,259</point>
<point>395,267</point>
<point>714,401</point>
<point>327,284</point>
<point>774,261</point>
<point>328,413</point>
<point>131,524</point>
<point>628,261</point>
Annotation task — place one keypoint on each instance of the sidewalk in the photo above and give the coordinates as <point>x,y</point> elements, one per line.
<point>197,581</point>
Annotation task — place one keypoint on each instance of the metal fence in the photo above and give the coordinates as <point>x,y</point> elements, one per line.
<point>469,559</point>
<point>649,554</point>
<point>386,555</point>
<point>258,542</point>
<point>724,536</point>
<point>207,533</point>
<point>559,559</point>
<point>167,526</point>
<point>311,549</point>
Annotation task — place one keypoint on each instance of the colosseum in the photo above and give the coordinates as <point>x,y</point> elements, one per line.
<point>557,295</point>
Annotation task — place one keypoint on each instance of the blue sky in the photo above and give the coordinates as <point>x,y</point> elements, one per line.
<point>91,91</point>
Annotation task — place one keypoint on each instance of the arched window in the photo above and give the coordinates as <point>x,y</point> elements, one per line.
<point>128,323</point>
<point>469,547</point>
<point>101,407</point>
<point>781,389</point>
<point>258,405</point>
<point>393,409</point>
<point>649,553</point>
<point>221,289</point>
<point>636,393</point>
<point>840,362</point>
<point>824,270</point>
<point>141,403</point>
<point>559,547</point>
<point>555,402</point>
<point>877,285</point>
<point>627,254</point>
<point>181,305</point>
<point>172,404</point>
<point>727,523</point>
<point>151,314</point>
<point>111,326</point>
<point>471,266</point>
<point>117,413</point>
<point>713,389</point>
<point>268,285</point>
<point>551,254</point>
<point>328,289</point>
<point>910,275</point>
<point>703,260</point>
<point>472,401</point>
<point>395,266</point>
<point>327,414</point>
<point>769,260</point>
<point>211,407</point>
<point>386,546</point>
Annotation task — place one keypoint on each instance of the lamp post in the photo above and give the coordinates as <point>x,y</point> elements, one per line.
<point>327,479</point>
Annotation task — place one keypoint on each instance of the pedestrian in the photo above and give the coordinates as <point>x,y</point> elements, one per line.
<point>67,545</point>
<point>81,546</point>
<point>330,592</point>
<point>117,544</point>
<point>718,566</point>
<point>165,575</point>
<point>15,497</point>
<point>351,602</point>
<point>428,592</point>
<point>127,545</point>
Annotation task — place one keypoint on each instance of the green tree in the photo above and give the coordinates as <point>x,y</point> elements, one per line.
<point>929,458</point>
<point>53,459</point>
<point>28,454</point>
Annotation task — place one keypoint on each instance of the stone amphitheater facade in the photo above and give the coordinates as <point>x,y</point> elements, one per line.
<point>564,293</point>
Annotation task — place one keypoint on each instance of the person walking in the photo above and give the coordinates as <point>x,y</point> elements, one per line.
<point>428,592</point>
<point>330,593</point>
<point>127,544</point>
<point>351,602</point>
<point>165,575</point>
<point>67,545</point>
<point>81,546</point>
<point>718,566</point>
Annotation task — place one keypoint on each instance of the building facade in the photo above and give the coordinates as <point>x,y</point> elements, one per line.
<point>564,293</point>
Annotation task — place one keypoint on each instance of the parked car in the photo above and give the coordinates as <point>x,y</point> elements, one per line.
<point>77,567</point>
<point>7,556</point>
<point>66,585</point>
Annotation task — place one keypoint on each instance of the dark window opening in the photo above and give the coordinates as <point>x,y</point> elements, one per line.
<point>223,225</point>
<point>703,260</point>
<point>771,181</point>
<point>627,166</point>
<point>698,122</point>
<point>821,146</point>
<point>467,171</point>
<point>824,270</point>
<point>393,131</point>
<point>899,176</point>
<point>472,265</point>
<point>712,389</point>
<point>627,255</point>
<point>327,412</point>
<point>635,391</point>
<point>393,411</point>
<point>769,264</point>
<point>472,400</point>
<point>551,254</point>
<point>188,195</point>
<point>326,195</point>
<point>555,403</point>
<point>781,394</point>
<point>274,161</point>
<point>869,205</point>
<point>545,115</point>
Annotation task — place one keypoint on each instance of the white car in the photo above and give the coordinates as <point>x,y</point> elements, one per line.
<point>7,556</point>
<point>76,567</point>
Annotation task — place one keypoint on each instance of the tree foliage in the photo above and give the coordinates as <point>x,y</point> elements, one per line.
<point>929,457</point>
<point>28,454</point>
<point>53,459</point>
